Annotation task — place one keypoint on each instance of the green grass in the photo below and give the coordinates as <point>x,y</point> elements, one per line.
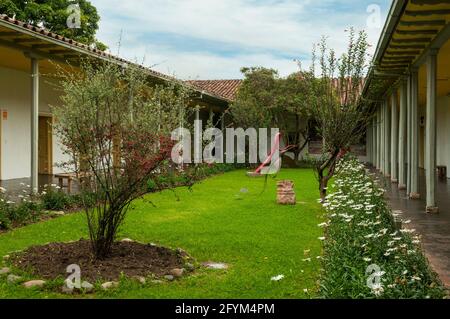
<point>215,222</point>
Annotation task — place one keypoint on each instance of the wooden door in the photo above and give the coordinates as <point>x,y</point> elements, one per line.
<point>45,146</point>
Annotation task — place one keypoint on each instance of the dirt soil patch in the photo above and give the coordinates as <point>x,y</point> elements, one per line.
<point>130,258</point>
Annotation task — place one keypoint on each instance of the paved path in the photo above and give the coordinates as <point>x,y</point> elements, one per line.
<point>434,229</point>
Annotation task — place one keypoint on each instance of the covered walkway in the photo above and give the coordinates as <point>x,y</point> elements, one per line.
<point>434,229</point>
<point>22,186</point>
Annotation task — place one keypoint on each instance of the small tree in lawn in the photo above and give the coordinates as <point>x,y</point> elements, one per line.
<point>117,131</point>
<point>341,113</point>
<point>266,100</point>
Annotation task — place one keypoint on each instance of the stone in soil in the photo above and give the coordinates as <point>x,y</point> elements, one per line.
<point>215,266</point>
<point>141,280</point>
<point>87,286</point>
<point>12,279</point>
<point>127,240</point>
<point>67,290</point>
<point>169,277</point>
<point>177,272</point>
<point>34,283</point>
<point>110,285</point>
<point>189,267</point>
<point>5,271</point>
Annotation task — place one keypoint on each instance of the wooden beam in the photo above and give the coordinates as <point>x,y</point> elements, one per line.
<point>398,71</point>
<point>437,43</point>
<point>423,23</point>
<point>400,64</point>
<point>422,13</point>
<point>397,53</point>
<point>396,62</point>
<point>398,58</point>
<point>418,32</point>
<point>414,40</point>
<point>59,52</point>
<point>25,40</point>
<point>429,2</point>
<point>25,49</point>
<point>408,46</point>
<point>43,46</point>
<point>9,34</point>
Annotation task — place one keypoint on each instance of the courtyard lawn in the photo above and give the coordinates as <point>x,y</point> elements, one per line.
<point>218,221</point>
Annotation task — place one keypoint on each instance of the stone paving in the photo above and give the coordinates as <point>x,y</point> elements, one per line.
<point>434,229</point>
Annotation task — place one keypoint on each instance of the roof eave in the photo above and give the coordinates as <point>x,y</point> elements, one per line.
<point>93,54</point>
<point>395,13</point>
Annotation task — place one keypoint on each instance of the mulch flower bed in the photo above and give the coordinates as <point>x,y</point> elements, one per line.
<point>131,259</point>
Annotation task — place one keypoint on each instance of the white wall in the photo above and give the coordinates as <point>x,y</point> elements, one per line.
<point>15,98</point>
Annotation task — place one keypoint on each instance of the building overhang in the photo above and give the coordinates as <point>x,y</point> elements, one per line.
<point>413,29</point>
<point>20,40</point>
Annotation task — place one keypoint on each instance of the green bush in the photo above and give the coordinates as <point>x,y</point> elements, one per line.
<point>362,244</point>
<point>4,214</point>
<point>174,178</point>
<point>25,212</point>
<point>84,199</point>
<point>4,210</point>
<point>53,199</point>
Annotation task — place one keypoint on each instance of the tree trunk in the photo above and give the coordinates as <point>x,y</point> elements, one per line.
<point>329,165</point>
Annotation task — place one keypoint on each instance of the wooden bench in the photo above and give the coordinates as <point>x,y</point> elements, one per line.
<point>66,176</point>
<point>442,172</point>
<point>71,177</point>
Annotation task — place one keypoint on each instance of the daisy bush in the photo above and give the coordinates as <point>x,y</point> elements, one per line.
<point>365,254</point>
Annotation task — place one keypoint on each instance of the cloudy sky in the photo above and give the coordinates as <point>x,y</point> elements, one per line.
<point>213,39</point>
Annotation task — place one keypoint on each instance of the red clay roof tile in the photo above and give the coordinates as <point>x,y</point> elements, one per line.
<point>226,89</point>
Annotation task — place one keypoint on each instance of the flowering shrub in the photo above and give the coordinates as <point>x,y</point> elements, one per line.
<point>27,210</point>
<point>54,199</point>
<point>116,128</point>
<point>365,255</point>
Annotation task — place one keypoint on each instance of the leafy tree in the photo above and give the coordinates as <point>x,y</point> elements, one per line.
<point>116,129</point>
<point>54,14</point>
<point>266,100</point>
<point>338,108</point>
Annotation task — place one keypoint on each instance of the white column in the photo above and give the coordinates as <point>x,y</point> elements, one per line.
<point>402,137</point>
<point>387,141</point>
<point>394,137</point>
<point>374,142</point>
<point>198,129</point>
<point>414,136</point>
<point>430,142</point>
<point>382,137</point>
<point>408,135</point>
<point>369,143</point>
<point>377,145</point>
<point>34,124</point>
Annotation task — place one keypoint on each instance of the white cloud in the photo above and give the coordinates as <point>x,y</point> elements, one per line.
<point>204,65</point>
<point>263,32</point>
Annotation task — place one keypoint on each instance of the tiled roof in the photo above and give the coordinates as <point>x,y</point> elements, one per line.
<point>47,33</point>
<point>86,49</point>
<point>226,89</point>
